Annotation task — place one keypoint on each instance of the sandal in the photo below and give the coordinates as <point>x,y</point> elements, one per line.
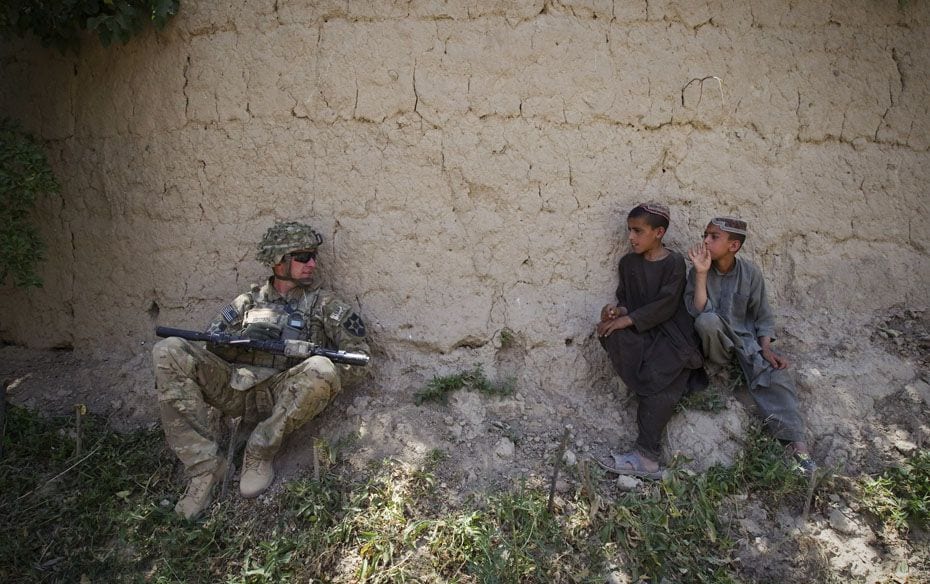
<point>631,464</point>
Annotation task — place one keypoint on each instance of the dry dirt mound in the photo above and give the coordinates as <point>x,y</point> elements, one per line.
<point>863,385</point>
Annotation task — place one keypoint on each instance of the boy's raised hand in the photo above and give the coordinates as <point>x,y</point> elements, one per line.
<point>700,257</point>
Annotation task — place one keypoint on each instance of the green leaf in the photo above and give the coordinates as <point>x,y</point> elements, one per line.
<point>24,176</point>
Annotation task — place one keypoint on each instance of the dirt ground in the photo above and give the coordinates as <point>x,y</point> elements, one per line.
<point>492,443</point>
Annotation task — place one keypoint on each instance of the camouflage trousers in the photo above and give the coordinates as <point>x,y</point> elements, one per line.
<point>190,379</point>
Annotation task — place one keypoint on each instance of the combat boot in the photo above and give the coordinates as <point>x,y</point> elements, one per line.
<point>257,474</point>
<point>199,492</point>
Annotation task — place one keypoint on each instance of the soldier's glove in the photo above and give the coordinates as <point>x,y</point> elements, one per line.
<point>261,331</point>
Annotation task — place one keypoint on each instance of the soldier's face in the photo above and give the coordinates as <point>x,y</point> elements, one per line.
<point>292,266</point>
<point>302,270</point>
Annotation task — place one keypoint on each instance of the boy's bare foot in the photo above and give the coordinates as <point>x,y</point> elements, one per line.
<point>799,447</point>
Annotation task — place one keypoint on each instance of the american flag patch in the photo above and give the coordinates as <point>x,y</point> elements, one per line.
<point>229,313</point>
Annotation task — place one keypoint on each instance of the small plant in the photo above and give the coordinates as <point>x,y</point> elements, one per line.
<point>24,175</point>
<point>900,496</point>
<point>433,458</point>
<point>708,400</point>
<point>672,531</point>
<point>761,468</point>
<point>439,388</point>
<point>508,338</point>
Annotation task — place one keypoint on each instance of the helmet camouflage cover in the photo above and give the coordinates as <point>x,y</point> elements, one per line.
<point>285,237</point>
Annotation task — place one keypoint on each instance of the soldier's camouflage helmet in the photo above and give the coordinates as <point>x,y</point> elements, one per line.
<point>285,237</point>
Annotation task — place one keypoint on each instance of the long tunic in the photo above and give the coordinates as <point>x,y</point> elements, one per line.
<point>736,314</point>
<point>661,344</point>
<point>739,299</point>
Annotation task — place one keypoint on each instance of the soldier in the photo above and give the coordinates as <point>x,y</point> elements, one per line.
<point>276,394</point>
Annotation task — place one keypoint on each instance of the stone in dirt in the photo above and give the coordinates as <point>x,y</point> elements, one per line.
<point>504,449</point>
<point>628,483</point>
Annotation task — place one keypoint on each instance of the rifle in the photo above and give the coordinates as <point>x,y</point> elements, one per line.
<point>288,348</point>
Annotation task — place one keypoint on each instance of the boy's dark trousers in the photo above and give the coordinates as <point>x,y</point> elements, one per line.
<point>654,412</point>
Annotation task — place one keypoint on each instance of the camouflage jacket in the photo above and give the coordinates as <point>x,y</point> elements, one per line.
<point>320,316</point>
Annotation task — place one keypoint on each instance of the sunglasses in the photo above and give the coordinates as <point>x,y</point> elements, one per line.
<point>303,256</point>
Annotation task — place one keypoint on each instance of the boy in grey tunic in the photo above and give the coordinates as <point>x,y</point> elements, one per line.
<point>726,296</point>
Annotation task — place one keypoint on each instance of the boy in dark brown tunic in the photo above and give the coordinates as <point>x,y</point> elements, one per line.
<point>649,336</point>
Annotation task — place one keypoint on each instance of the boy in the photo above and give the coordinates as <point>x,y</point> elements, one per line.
<point>726,296</point>
<point>649,336</point>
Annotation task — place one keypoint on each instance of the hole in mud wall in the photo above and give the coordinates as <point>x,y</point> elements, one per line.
<point>568,342</point>
<point>153,310</point>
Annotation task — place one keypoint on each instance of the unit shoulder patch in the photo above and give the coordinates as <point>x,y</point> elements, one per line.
<point>355,325</point>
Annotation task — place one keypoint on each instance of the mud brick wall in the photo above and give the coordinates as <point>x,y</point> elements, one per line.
<point>471,162</point>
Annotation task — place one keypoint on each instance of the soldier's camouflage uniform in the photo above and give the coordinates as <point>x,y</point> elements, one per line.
<point>277,393</point>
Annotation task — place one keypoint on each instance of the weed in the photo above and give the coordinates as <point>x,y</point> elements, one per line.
<point>434,457</point>
<point>761,468</point>
<point>671,531</point>
<point>508,338</point>
<point>708,400</point>
<point>108,517</point>
<point>900,496</point>
<point>61,514</point>
<point>439,388</point>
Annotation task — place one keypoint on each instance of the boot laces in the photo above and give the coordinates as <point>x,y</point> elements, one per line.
<point>251,462</point>
<point>199,485</point>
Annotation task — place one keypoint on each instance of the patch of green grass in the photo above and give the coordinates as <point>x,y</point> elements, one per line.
<point>527,543</point>
<point>439,388</point>
<point>508,338</point>
<point>762,468</point>
<point>672,528</point>
<point>61,513</point>
<point>900,496</point>
<point>101,516</point>
<point>708,400</point>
